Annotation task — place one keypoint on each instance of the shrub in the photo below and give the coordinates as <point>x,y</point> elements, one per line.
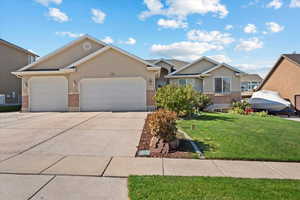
<point>261,114</point>
<point>237,110</point>
<point>241,104</point>
<point>162,125</point>
<point>183,100</point>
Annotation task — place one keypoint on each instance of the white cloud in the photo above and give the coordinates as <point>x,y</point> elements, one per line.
<point>184,50</point>
<point>274,27</point>
<point>98,16</point>
<point>250,28</point>
<point>212,36</point>
<point>170,23</point>
<point>221,58</point>
<point>47,2</point>
<point>108,40</point>
<point>58,15</point>
<point>295,4</point>
<point>69,34</point>
<point>261,68</point>
<point>181,9</point>
<point>130,41</point>
<point>276,4</point>
<point>228,27</point>
<point>249,44</point>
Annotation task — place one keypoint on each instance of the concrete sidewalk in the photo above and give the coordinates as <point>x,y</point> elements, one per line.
<point>124,166</point>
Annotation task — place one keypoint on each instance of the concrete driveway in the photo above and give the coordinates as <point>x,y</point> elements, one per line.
<point>44,145</point>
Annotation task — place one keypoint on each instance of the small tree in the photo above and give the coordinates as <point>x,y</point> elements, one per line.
<point>183,100</point>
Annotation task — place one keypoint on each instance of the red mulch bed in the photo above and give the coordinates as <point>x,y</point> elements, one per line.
<point>185,149</point>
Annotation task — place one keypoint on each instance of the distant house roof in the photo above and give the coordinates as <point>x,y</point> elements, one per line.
<point>251,77</point>
<point>177,63</point>
<point>17,47</point>
<point>295,58</point>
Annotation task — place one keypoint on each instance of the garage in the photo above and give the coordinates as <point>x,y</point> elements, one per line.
<point>48,94</point>
<point>113,94</point>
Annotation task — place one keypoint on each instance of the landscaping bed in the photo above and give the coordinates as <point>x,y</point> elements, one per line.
<point>211,188</point>
<point>243,137</point>
<point>185,149</point>
<point>10,108</point>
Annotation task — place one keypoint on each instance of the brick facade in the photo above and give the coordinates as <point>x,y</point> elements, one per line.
<point>150,99</point>
<point>225,98</point>
<point>73,102</point>
<point>25,103</point>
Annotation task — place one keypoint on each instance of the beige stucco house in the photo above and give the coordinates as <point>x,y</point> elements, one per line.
<point>12,57</point>
<point>220,81</point>
<point>88,75</point>
<point>167,66</point>
<point>284,78</point>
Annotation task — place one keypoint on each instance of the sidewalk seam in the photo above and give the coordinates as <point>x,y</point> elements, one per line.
<point>53,164</point>
<point>41,188</point>
<point>107,165</point>
<point>222,171</point>
<point>275,170</point>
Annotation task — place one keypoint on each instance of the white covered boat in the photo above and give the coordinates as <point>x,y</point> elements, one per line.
<point>268,100</point>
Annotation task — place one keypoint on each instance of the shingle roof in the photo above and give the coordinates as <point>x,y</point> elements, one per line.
<point>294,57</point>
<point>177,63</point>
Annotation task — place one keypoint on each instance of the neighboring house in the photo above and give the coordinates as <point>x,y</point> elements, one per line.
<point>284,78</point>
<point>220,81</point>
<point>11,58</point>
<point>249,82</point>
<point>167,66</point>
<point>88,75</point>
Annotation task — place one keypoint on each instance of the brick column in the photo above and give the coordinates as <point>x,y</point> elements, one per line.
<point>73,102</point>
<point>25,103</point>
<point>150,99</point>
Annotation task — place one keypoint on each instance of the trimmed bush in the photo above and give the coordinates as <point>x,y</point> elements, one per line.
<point>183,100</point>
<point>162,125</point>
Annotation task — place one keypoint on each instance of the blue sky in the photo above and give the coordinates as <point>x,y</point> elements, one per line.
<point>248,34</point>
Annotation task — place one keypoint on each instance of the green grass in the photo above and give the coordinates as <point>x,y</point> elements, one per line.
<point>231,136</point>
<point>211,188</point>
<point>12,108</point>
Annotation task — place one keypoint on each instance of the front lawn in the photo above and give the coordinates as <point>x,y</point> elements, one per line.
<point>211,188</point>
<point>231,136</point>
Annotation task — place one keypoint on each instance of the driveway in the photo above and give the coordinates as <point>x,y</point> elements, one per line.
<point>41,153</point>
<point>98,134</point>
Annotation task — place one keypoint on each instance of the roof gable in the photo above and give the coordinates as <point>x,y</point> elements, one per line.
<point>204,58</point>
<point>60,50</point>
<point>17,47</point>
<point>290,57</point>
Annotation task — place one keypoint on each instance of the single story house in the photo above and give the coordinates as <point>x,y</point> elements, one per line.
<point>11,58</point>
<point>250,82</point>
<point>284,78</point>
<point>220,81</point>
<point>167,66</point>
<point>88,75</point>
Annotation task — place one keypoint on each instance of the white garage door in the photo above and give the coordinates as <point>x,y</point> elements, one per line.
<point>48,94</point>
<point>113,94</point>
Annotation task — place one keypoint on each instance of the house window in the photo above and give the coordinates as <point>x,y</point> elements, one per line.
<point>31,59</point>
<point>249,86</point>
<point>222,85</point>
<point>182,82</point>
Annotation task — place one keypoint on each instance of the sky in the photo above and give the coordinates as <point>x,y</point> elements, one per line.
<point>247,34</point>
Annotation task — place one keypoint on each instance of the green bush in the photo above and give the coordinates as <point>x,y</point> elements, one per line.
<point>237,110</point>
<point>241,105</point>
<point>261,114</point>
<point>183,100</point>
<point>162,125</point>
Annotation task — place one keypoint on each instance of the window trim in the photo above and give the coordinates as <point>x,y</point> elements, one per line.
<point>222,77</point>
